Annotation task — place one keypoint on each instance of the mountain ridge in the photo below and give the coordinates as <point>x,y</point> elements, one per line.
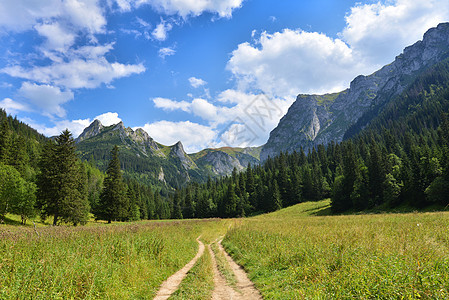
<point>161,165</point>
<point>318,119</point>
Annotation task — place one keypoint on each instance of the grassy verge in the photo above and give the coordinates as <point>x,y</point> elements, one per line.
<point>104,261</point>
<point>199,282</point>
<point>294,253</point>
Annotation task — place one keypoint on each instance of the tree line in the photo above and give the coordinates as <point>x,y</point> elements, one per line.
<point>399,157</point>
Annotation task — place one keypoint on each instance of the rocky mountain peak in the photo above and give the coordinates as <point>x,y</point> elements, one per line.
<point>320,119</point>
<point>92,130</point>
<point>177,151</point>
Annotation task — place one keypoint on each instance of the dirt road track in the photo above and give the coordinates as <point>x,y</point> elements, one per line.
<point>169,286</point>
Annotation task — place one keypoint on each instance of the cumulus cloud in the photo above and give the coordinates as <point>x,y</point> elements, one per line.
<point>194,136</point>
<point>196,82</point>
<point>77,73</point>
<point>166,51</point>
<point>13,107</point>
<point>160,33</point>
<point>48,99</point>
<point>76,127</point>
<point>290,62</point>
<point>109,118</point>
<point>380,31</point>
<point>247,122</point>
<point>85,14</point>
<point>57,37</point>
<point>186,8</point>
<point>170,105</point>
<point>20,15</point>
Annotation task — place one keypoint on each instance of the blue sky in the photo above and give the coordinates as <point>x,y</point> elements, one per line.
<point>207,72</point>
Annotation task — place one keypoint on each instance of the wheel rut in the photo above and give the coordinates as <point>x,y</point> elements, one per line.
<point>169,286</point>
<point>244,288</point>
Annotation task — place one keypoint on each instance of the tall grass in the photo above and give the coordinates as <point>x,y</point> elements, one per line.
<point>115,262</point>
<point>291,254</point>
<point>199,282</point>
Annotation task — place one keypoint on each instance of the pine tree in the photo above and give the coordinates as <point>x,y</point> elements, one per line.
<point>113,200</point>
<point>60,191</point>
<point>5,141</point>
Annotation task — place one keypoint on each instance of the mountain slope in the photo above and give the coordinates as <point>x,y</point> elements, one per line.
<point>319,119</point>
<point>152,163</point>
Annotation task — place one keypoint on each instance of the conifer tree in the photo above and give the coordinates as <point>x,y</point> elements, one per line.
<point>113,200</point>
<point>60,191</point>
<point>5,141</point>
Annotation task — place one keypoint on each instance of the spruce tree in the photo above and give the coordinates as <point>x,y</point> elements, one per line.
<point>5,141</point>
<point>60,184</point>
<point>113,200</point>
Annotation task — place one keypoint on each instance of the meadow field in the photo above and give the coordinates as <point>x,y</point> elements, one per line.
<point>294,253</point>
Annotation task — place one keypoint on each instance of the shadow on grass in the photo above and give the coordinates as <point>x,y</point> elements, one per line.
<point>9,221</point>
<point>323,210</point>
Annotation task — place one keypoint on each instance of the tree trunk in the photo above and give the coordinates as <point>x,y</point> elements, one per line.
<point>55,220</point>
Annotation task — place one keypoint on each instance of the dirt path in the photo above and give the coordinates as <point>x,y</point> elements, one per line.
<point>244,285</point>
<point>221,291</point>
<point>169,286</point>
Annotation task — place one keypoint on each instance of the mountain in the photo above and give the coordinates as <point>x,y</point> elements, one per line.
<point>320,119</point>
<point>152,163</point>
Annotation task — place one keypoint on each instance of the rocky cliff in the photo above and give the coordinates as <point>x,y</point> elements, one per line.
<point>319,119</point>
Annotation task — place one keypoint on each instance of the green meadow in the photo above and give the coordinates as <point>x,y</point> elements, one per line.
<point>295,253</point>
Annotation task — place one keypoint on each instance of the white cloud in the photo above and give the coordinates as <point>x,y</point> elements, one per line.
<point>194,136</point>
<point>292,61</point>
<point>196,82</point>
<point>185,8</point>
<point>86,14</point>
<point>123,5</point>
<point>109,118</point>
<point>160,33</point>
<point>170,105</point>
<point>381,31</point>
<point>166,51</point>
<point>19,15</point>
<point>12,107</point>
<point>77,73</point>
<point>57,38</point>
<point>46,97</point>
<point>76,127</point>
<point>204,109</point>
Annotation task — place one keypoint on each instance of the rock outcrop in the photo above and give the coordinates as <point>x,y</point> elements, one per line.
<point>320,119</point>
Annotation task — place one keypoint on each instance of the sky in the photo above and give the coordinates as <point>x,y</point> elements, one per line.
<point>208,73</point>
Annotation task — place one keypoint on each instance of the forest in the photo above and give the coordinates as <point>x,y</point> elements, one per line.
<point>396,155</point>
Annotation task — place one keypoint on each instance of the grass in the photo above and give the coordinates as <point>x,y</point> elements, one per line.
<point>223,266</point>
<point>199,282</point>
<point>294,253</point>
<point>115,261</point>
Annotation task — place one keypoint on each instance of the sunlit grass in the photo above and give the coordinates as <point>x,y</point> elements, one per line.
<point>105,261</point>
<point>199,282</point>
<point>294,254</point>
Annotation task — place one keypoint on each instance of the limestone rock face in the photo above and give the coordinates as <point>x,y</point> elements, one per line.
<point>220,162</point>
<point>177,151</point>
<point>320,119</point>
<point>90,131</point>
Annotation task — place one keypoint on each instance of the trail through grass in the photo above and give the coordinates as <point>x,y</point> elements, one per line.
<point>199,283</point>
<point>290,254</point>
<point>294,253</point>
